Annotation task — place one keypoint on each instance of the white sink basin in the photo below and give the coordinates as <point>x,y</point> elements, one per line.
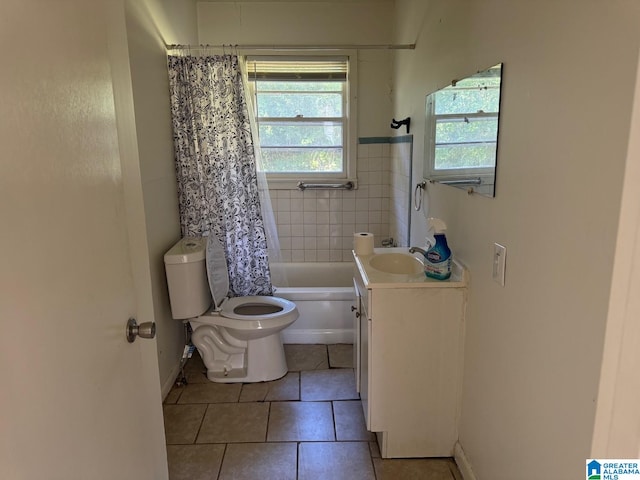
<point>397,263</point>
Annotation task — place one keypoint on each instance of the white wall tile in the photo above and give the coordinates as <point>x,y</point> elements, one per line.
<point>310,230</point>
<point>322,204</point>
<point>322,218</point>
<point>318,225</point>
<point>296,218</point>
<point>309,218</point>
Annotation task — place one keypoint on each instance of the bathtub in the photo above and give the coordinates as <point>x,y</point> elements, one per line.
<point>324,294</point>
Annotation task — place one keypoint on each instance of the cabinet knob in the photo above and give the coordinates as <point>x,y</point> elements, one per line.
<point>353,309</point>
<point>358,314</point>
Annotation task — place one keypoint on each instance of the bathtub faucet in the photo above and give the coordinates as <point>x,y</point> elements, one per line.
<point>388,242</point>
<point>417,249</point>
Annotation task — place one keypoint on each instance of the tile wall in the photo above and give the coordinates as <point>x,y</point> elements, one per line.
<point>400,189</point>
<point>318,225</point>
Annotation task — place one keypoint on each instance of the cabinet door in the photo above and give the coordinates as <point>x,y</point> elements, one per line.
<point>365,343</point>
<point>357,309</point>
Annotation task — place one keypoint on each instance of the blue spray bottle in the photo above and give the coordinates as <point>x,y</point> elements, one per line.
<point>437,259</point>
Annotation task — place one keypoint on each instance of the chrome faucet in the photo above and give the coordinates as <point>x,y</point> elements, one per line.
<point>417,249</point>
<point>388,242</point>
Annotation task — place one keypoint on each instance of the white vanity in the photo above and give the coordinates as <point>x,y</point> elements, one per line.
<point>408,352</point>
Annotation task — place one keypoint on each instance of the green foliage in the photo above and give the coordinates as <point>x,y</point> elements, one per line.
<point>293,160</point>
<point>299,105</point>
<point>466,124</point>
<point>465,156</point>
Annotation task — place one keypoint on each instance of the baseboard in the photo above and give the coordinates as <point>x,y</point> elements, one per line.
<point>325,336</point>
<point>170,380</point>
<point>463,462</point>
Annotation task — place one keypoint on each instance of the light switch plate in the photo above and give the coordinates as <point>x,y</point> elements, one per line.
<point>499,262</point>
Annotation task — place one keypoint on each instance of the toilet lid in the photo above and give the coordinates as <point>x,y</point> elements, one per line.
<point>217,270</point>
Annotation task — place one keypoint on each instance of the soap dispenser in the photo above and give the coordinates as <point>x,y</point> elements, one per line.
<point>437,259</point>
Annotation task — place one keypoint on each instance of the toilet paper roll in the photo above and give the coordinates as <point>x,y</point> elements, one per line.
<point>363,243</point>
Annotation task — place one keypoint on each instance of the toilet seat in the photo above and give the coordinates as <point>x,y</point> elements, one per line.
<point>224,316</point>
<point>229,306</point>
<point>224,308</point>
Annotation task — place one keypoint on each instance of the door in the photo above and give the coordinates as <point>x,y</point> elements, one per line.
<point>77,400</point>
<point>365,361</point>
<point>357,312</point>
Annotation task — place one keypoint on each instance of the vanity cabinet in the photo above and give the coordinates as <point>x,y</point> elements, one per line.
<point>409,362</point>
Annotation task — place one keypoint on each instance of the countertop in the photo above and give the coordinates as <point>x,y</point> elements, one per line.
<point>377,279</point>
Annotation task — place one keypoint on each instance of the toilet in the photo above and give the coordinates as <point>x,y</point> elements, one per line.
<point>238,338</point>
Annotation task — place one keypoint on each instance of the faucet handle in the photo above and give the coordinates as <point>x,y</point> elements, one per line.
<point>388,242</point>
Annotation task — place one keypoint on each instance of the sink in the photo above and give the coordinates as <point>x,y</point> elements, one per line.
<point>397,263</point>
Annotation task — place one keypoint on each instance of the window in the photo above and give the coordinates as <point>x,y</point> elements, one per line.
<point>303,114</point>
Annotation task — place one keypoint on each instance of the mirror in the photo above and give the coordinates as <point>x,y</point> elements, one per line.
<point>461,138</point>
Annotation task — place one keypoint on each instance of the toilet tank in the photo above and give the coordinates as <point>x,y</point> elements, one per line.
<point>187,278</point>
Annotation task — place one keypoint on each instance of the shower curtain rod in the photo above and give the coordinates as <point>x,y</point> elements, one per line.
<point>407,46</point>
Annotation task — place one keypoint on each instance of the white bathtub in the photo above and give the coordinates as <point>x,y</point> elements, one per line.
<point>323,293</point>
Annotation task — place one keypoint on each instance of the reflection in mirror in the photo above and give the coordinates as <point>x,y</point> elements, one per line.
<point>461,138</point>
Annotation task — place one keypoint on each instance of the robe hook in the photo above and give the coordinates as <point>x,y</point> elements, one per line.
<point>397,124</point>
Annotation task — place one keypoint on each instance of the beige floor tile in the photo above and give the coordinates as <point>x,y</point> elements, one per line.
<point>211,392</point>
<point>375,449</point>
<point>254,392</point>
<point>350,424</point>
<point>182,422</point>
<point>340,355</point>
<point>286,388</point>
<point>194,462</point>
<point>196,377</point>
<point>306,357</point>
<point>195,363</point>
<point>234,422</point>
<point>335,461</point>
<point>173,395</point>
<point>334,384</point>
<point>195,371</point>
<point>414,469</point>
<point>263,461</point>
<point>300,421</point>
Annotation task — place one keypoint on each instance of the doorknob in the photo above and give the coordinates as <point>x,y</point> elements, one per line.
<point>144,330</point>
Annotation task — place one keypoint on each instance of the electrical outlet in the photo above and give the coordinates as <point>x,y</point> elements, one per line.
<point>499,262</point>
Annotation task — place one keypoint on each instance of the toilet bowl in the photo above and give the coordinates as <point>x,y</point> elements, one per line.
<point>239,337</point>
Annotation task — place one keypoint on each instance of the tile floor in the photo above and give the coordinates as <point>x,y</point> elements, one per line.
<point>307,425</point>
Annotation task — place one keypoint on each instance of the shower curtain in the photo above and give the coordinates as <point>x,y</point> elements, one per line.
<point>216,165</point>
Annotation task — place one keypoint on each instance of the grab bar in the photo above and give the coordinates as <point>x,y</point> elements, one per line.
<point>461,181</point>
<point>317,186</point>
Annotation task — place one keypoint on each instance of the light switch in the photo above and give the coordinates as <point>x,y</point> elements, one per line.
<point>499,262</point>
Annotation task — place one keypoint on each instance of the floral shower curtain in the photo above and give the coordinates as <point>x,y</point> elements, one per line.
<point>216,165</point>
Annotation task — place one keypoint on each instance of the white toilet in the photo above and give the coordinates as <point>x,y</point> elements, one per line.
<point>238,338</point>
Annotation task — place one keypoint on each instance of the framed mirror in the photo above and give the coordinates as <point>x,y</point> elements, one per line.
<point>461,138</point>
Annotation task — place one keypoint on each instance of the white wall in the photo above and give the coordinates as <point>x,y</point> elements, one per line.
<point>533,348</point>
<point>309,23</point>
<point>150,25</point>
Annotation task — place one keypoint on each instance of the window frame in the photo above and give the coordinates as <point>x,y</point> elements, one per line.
<point>286,181</point>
